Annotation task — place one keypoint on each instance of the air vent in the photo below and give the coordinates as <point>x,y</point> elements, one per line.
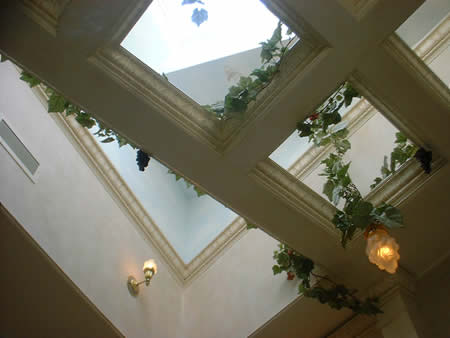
<point>18,149</point>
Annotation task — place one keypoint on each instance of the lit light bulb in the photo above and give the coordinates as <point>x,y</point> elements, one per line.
<point>150,265</point>
<point>382,249</point>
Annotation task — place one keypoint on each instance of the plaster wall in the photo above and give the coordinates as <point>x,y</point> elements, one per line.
<point>238,293</point>
<point>77,222</point>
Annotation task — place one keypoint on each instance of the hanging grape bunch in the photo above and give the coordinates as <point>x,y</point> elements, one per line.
<point>142,159</point>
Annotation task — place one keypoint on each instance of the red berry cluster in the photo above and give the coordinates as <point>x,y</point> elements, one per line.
<point>314,116</point>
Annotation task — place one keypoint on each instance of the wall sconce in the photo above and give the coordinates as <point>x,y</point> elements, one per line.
<point>150,270</point>
<point>382,249</point>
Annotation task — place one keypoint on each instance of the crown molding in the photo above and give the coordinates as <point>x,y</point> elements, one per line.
<point>358,8</point>
<point>150,87</point>
<point>103,168</point>
<point>45,13</point>
<point>408,59</point>
<point>435,42</point>
<point>288,189</point>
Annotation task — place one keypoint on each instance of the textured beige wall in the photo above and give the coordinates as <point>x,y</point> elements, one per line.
<point>74,219</point>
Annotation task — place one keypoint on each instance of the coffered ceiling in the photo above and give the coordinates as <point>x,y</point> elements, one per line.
<point>78,52</point>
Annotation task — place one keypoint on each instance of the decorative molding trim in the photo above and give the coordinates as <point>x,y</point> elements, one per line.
<point>214,249</point>
<point>435,42</point>
<point>400,51</point>
<point>152,88</point>
<point>288,189</point>
<point>46,13</point>
<point>108,175</point>
<point>358,8</point>
<point>397,188</point>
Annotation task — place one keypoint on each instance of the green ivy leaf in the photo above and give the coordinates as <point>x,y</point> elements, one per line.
<point>377,181</point>
<point>330,118</point>
<point>85,120</point>
<point>400,138</point>
<point>276,270</point>
<point>30,79</point>
<point>361,214</point>
<point>108,140</point>
<point>304,129</point>
<point>199,191</point>
<point>328,189</point>
<point>389,216</point>
<point>3,58</point>
<point>261,74</point>
<point>56,103</point>
<point>349,94</point>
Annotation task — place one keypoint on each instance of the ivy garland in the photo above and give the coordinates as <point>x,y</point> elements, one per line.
<point>249,87</point>
<point>322,128</point>
<point>337,296</point>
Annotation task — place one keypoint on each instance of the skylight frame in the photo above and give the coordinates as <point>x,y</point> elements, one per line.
<point>172,103</point>
<point>394,189</point>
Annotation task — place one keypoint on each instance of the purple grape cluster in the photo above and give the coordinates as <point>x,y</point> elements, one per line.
<point>142,159</point>
<point>424,157</point>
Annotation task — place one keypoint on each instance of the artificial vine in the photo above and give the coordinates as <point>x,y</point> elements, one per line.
<point>322,128</point>
<point>325,127</point>
<point>188,183</point>
<point>401,153</point>
<point>337,296</point>
<point>247,89</point>
<point>240,95</point>
<point>57,103</point>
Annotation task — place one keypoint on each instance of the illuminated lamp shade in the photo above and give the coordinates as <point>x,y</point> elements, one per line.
<point>150,265</point>
<point>382,249</point>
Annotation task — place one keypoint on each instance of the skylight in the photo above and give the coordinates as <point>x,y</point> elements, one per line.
<point>203,61</point>
<point>167,40</point>
<point>188,222</point>
<point>430,16</point>
<point>372,138</point>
